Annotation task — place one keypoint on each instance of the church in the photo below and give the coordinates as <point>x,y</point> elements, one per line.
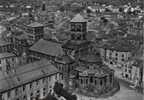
<point>90,70</point>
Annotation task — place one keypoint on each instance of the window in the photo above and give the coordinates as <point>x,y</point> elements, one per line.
<point>56,76</point>
<point>86,81</point>
<point>31,94</point>
<point>0,61</point>
<point>122,55</point>
<point>38,91</point>
<point>101,82</point>
<point>81,81</point>
<point>12,59</point>
<point>30,85</point>
<point>130,67</point>
<point>24,97</point>
<point>16,91</point>
<point>8,94</point>
<point>24,88</point>
<point>37,82</point>
<point>43,80</point>
<point>78,27</point>
<point>110,78</point>
<point>122,59</point>
<point>116,54</point>
<point>126,75</point>
<point>111,62</point>
<point>91,79</point>
<point>95,82</point>
<point>50,78</point>
<point>129,71</point>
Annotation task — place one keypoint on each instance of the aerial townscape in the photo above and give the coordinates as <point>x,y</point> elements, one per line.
<point>71,49</point>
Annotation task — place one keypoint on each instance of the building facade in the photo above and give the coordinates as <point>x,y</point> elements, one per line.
<point>132,72</point>
<point>5,46</point>
<point>7,61</point>
<point>30,82</point>
<point>116,53</point>
<point>36,31</point>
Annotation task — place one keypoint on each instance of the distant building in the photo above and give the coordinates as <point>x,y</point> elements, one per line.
<point>115,52</point>
<point>133,72</point>
<point>5,46</point>
<point>135,26</point>
<point>7,61</point>
<point>134,39</point>
<point>21,43</point>
<point>30,81</point>
<point>36,31</point>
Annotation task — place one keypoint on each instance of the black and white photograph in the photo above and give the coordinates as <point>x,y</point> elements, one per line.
<point>71,49</point>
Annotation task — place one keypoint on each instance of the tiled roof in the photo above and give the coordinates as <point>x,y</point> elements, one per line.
<point>48,48</point>
<point>35,24</point>
<point>26,73</point>
<point>6,55</point>
<point>78,18</point>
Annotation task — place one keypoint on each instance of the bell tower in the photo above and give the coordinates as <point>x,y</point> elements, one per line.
<point>78,28</point>
<point>78,41</point>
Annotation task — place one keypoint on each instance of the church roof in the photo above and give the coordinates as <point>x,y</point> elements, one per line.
<point>48,48</point>
<point>78,18</point>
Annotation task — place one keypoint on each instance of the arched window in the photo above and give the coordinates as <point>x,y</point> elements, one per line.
<point>101,82</point>
<point>95,82</point>
<point>91,79</point>
<point>81,81</point>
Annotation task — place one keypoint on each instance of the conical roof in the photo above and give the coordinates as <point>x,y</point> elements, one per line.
<point>78,18</point>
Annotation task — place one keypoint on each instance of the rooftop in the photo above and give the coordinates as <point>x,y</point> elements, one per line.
<point>91,58</point>
<point>22,36</point>
<point>97,71</point>
<point>78,18</point>
<point>48,48</point>
<point>75,44</point>
<point>2,43</point>
<point>119,45</point>
<point>6,55</point>
<point>26,73</point>
<point>35,24</point>
<point>65,60</point>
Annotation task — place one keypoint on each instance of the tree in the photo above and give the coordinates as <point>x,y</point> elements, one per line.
<point>60,91</point>
<point>50,97</point>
